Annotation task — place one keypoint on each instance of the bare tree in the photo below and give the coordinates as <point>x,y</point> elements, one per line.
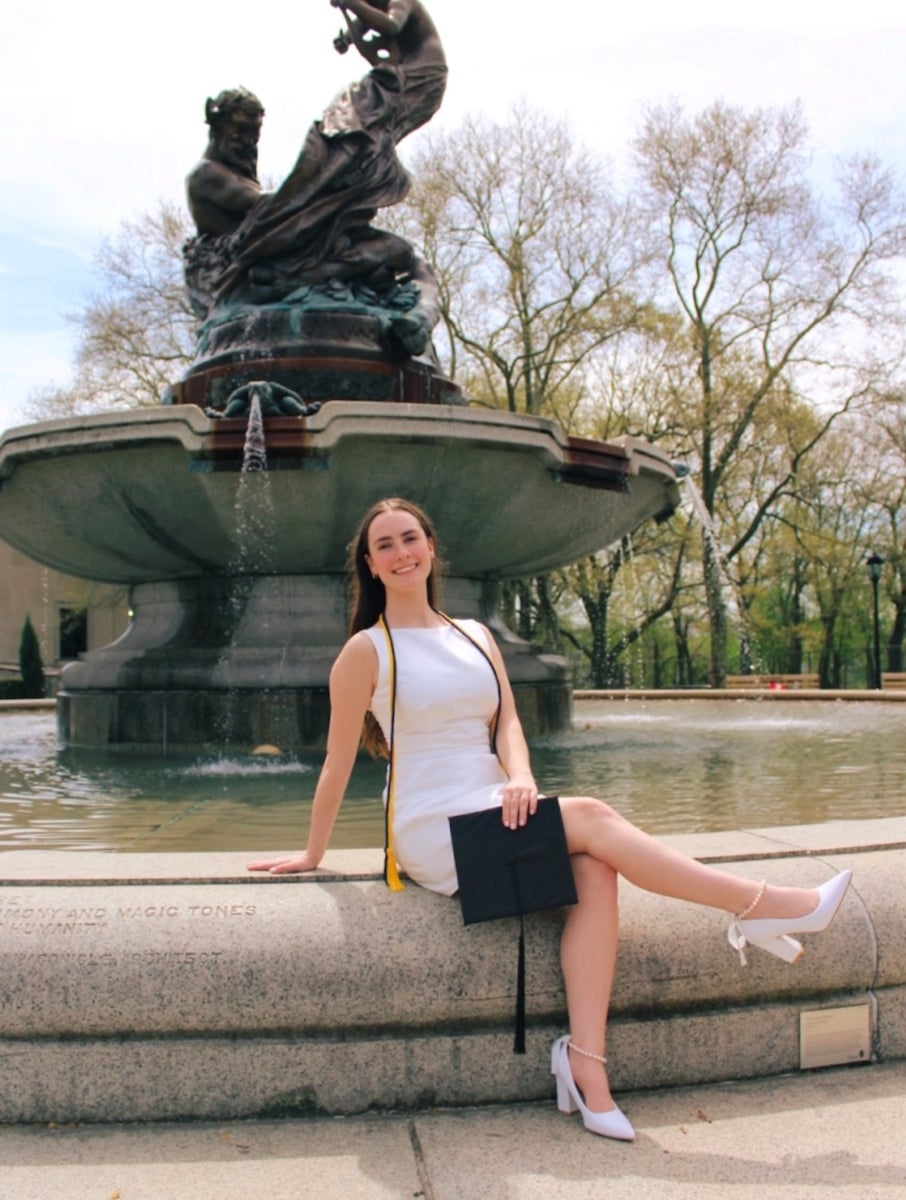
<point>137,331</point>
<point>776,289</point>
<point>536,256</point>
<point>593,582</point>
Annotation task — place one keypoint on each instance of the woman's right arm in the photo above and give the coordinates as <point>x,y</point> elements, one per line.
<point>352,682</point>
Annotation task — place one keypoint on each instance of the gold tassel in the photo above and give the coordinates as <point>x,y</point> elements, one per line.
<point>391,871</point>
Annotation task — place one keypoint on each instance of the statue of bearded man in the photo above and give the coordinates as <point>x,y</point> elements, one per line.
<point>223,186</point>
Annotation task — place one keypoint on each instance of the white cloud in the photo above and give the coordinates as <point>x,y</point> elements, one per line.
<point>103,102</point>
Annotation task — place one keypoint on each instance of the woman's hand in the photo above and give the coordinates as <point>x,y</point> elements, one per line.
<point>520,799</point>
<point>286,866</point>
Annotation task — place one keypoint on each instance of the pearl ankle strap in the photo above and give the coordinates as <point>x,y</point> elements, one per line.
<point>741,916</point>
<point>586,1053</point>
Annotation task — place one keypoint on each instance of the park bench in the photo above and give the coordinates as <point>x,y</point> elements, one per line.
<point>893,680</point>
<point>773,681</point>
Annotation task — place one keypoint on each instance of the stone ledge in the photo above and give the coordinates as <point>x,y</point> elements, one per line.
<point>220,958</point>
<point>43,868</point>
<point>167,995</point>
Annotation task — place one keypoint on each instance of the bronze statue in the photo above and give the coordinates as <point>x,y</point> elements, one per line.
<point>224,186</point>
<point>314,235</point>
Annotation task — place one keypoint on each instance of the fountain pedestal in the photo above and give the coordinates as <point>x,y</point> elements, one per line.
<point>177,680</point>
<point>321,354</point>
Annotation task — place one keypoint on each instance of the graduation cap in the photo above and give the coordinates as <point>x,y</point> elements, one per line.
<point>506,872</point>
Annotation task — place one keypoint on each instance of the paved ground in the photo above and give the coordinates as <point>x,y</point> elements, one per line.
<point>806,1137</point>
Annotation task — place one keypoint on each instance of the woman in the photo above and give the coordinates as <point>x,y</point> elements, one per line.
<point>446,700</point>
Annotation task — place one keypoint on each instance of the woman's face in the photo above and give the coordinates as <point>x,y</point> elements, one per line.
<point>400,553</point>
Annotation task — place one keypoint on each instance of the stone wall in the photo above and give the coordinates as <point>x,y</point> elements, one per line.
<point>165,986</point>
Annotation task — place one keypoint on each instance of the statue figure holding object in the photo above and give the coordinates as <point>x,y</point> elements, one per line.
<point>312,239</point>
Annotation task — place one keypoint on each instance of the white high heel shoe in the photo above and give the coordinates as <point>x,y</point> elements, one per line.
<point>612,1124</point>
<point>773,935</point>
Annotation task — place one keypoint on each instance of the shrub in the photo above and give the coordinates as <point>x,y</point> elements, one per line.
<point>30,665</point>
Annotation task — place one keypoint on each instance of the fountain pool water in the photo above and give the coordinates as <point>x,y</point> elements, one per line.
<point>670,766</point>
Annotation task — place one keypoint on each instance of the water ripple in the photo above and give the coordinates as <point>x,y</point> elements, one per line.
<point>670,766</point>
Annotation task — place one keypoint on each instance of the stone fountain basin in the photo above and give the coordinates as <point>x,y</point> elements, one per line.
<point>151,494</point>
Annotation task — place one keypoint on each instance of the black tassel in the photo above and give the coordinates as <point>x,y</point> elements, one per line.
<point>519,1042</point>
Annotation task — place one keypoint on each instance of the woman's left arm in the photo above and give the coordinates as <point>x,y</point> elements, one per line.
<point>520,793</point>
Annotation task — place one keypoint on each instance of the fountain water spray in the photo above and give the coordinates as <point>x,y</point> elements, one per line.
<point>718,561</point>
<point>254,452</point>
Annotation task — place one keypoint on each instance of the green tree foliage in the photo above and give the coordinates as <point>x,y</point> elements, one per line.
<point>884,442</point>
<point>31,667</point>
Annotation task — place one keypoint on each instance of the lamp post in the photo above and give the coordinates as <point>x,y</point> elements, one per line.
<point>875,563</point>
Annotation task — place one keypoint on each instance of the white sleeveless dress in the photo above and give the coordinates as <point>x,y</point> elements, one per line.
<point>446,697</point>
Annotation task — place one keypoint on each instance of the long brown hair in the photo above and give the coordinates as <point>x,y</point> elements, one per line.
<point>369,597</point>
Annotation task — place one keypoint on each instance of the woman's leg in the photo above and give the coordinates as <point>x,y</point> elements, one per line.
<point>594,828</point>
<point>588,951</point>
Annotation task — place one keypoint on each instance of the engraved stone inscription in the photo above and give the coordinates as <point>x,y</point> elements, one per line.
<point>141,958</point>
<point>43,920</point>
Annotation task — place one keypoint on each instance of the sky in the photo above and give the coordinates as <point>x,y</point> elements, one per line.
<point>104,106</point>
